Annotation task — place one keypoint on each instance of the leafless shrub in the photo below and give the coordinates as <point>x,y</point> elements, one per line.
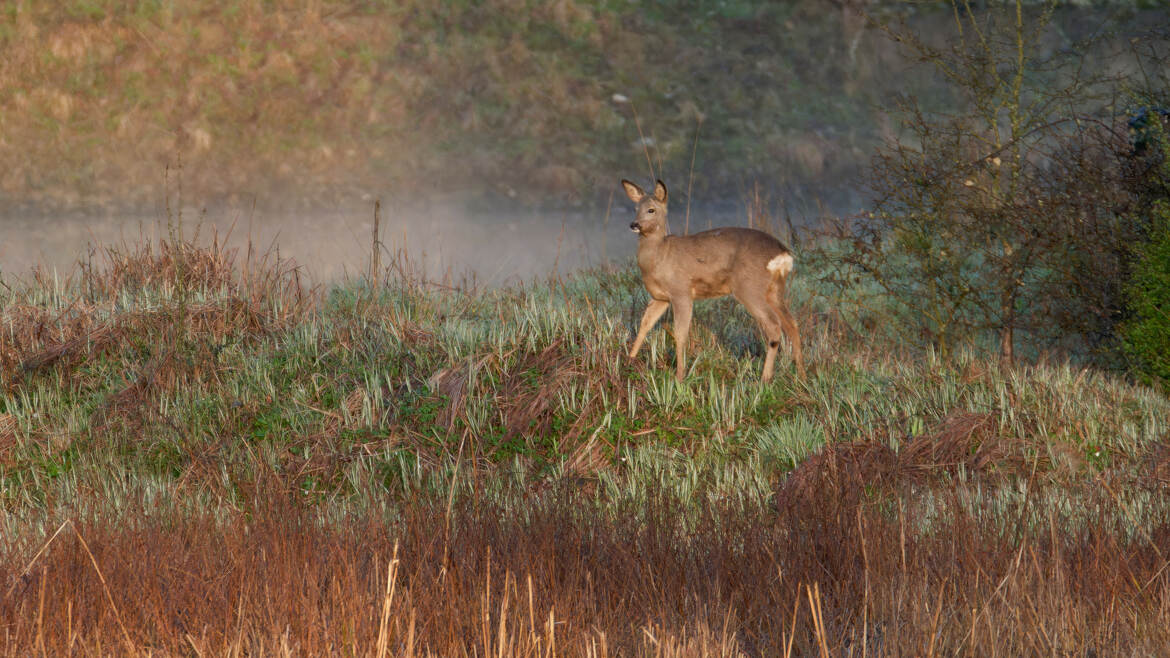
<point>1006,220</point>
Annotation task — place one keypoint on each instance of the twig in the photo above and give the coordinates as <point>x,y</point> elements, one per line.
<point>34,559</point>
<point>691,180</point>
<point>376,245</point>
<point>106,587</point>
<point>641,136</point>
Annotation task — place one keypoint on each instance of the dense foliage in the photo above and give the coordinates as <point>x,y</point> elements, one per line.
<point>1146,333</point>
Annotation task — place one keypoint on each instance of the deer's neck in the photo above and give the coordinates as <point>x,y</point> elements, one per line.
<point>650,249</point>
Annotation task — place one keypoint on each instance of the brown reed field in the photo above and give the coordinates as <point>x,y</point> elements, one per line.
<point>199,455</point>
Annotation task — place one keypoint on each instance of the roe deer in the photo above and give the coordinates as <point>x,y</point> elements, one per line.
<point>748,264</point>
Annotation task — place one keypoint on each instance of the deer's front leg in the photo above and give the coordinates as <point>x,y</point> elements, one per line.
<point>682,329</point>
<point>654,311</point>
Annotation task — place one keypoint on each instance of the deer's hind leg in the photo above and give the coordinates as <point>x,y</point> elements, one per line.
<point>770,323</point>
<point>779,306</point>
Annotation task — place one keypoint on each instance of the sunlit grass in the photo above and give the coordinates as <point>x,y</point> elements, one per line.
<point>167,388</point>
<point>176,378</point>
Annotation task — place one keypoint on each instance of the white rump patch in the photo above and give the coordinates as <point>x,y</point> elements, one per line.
<point>781,264</point>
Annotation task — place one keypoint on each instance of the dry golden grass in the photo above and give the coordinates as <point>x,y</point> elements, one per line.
<point>561,578</point>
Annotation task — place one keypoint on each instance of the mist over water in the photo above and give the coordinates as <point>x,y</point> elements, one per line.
<point>443,241</point>
<point>490,248</point>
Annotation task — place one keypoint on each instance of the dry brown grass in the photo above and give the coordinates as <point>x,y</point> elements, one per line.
<point>202,291</point>
<point>559,578</point>
<point>966,442</point>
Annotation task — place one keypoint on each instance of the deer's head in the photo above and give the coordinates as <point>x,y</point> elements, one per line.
<point>651,217</point>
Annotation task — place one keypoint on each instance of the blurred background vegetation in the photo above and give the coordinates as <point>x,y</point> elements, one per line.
<point>294,103</point>
<point>981,160</point>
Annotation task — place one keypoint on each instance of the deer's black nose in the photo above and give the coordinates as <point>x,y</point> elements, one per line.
<point>634,227</point>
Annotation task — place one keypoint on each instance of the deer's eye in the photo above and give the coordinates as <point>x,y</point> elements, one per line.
<point>650,210</point>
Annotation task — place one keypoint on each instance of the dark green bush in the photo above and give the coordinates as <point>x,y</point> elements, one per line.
<point>1146,335</point>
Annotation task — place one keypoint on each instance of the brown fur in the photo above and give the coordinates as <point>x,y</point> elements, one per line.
<point>680,269</point>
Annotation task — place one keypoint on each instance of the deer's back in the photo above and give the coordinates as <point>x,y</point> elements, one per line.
<point>736,242</point>
<point>709,263</point>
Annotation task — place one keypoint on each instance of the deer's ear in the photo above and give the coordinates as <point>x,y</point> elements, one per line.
<point>633,191</point>
<point>660,191</point>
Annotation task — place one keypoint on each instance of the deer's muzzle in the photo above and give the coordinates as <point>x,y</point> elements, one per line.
<point>635,227</point>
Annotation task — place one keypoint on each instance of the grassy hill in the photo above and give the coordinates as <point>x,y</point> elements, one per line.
<point>405,465</point>
<point>305,102</point>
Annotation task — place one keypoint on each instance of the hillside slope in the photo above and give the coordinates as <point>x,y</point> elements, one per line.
<point>305,101</point>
